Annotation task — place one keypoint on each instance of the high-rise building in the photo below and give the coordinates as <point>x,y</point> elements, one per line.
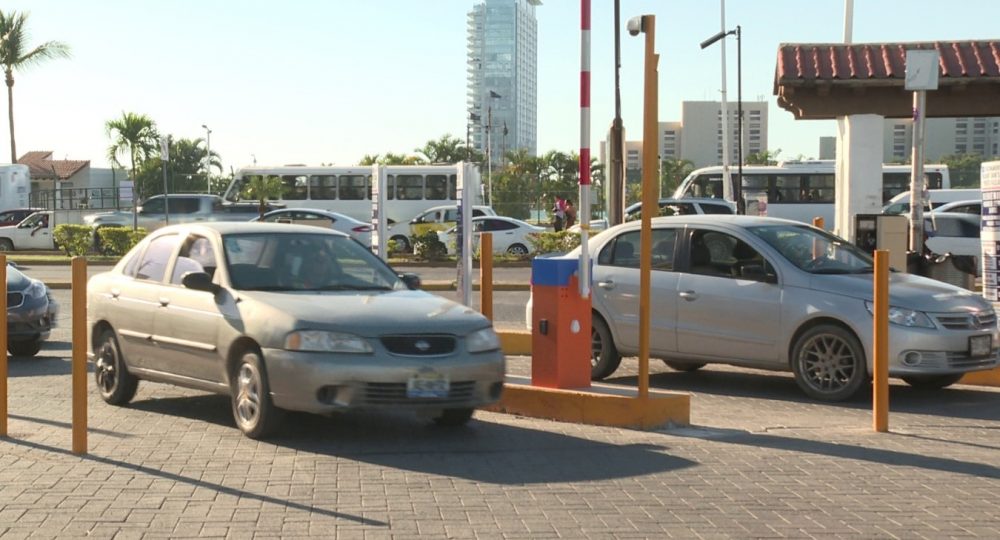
<point>701,133</point>
<point>942,137</point>
<point>503,76</point>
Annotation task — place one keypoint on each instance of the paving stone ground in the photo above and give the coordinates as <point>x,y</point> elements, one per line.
<point>760,461</point>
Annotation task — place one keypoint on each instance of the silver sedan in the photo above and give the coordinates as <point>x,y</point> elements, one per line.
<point>286,317</point>
<point>779,295</point>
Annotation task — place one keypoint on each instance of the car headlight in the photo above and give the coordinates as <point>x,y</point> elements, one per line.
<point>482,340</point>
<point>322,341</point>
<point>904,317</point>
<point>37,289</point>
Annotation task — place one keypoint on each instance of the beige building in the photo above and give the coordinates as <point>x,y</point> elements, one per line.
<point>943,136</point>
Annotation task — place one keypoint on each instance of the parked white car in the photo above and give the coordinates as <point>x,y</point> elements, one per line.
<point>509,235</point>
<point>900,204</point>
<point>358,230</point>
<point>957,234</point>
<point>778,295</point>
<point>972,206</point>
<point>438,218</point>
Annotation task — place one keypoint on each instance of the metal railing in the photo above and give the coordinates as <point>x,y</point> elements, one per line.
<point>79,199</point>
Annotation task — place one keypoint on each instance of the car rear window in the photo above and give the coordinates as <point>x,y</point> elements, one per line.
<point>709,208</point>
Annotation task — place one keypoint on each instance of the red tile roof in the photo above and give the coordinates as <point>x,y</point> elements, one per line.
<point>42,166</point>
<point>881,63</point>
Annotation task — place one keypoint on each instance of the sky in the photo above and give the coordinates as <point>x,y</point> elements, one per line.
<point>329,81</point>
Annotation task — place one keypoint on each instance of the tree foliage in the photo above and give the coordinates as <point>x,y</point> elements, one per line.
<point>446,149</point>
<point>185,169</point>
<point>963,169</point>
<point>766,157</point>
<point>262,188</point>
<point>672,173</point>
<point>16,54</point>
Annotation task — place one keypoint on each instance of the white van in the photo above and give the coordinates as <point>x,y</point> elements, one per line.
<point>437,218</point>
<point>900,204</point>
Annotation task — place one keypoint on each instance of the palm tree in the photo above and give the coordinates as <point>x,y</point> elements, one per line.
<point>262,188</point>
<point>447,149</point>
<point>14,54</point>
<point>133,135</point>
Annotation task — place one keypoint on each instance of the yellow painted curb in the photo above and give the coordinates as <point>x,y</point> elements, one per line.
<point>983,378</point>
<point>515,343</point>
<point>599,405</point>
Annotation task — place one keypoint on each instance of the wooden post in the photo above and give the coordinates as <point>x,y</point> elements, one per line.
<point>486,274</point>
<point>3,345</point>
<point>880,316</point>
<point>79,355</point>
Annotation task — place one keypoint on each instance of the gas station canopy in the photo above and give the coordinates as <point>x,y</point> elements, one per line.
<point>824,81</point>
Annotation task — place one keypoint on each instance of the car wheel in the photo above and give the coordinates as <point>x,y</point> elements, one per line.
<point>255,414</point>
<point>28,347</point>
<point>829,363</point>
<point>116,385</point>
<point>517,250</point>
<point>454,417</point>
<point>604,357</point>
<point>6,245</point>
<point>402,243</point>
<point>684,366</point>
<point>932,382</point>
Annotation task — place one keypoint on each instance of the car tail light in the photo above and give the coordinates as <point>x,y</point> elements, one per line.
<point>362,228</point>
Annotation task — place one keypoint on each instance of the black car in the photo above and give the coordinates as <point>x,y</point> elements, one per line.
<point>31,313</point>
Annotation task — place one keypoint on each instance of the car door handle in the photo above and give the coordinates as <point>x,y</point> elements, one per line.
<point>690,296</point>
<point>115,293</point>
<point>164,301</point>
<point>609,284</point>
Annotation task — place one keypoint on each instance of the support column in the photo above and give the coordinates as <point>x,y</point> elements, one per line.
<point>859,170</point>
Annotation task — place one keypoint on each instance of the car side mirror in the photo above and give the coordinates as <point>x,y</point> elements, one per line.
<point>199,281</point>
<point>757,272</point>
<point>411,280</point>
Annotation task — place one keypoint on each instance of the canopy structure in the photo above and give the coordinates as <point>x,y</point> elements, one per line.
<point>824,81</point>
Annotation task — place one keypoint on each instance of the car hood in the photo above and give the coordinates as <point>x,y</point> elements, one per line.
<point>905,290</point>
<point>17,281</point>
<point>373,313</point>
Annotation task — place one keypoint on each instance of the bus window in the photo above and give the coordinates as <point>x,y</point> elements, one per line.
<point>706,186</point>
<point>296,187</point>
<point>788,188</point>
<point>453,187</point>
<point>933,180</point>
<point>352,187</point>
<point>409,187</point>
<point>820,188</point>
<point>323,187</point>
<point>437,187</point>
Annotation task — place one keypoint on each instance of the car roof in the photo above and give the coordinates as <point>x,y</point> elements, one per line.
<point>311,211</point>
<point>725,220</point>
<point>237,227</point>
<point>698,200</point>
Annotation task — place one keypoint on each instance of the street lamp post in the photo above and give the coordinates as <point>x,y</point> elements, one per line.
<point>208,159</point>
<point>736,186</point>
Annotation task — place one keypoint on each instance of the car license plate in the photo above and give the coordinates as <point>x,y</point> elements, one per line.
<point>427,384</point>
<point>980,346</point>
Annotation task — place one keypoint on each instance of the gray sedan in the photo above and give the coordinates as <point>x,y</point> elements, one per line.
<point>780,295</point>
<point>286,317</point>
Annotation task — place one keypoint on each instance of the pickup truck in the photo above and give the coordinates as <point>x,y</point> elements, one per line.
<point>183,209</point>
<point>35,232</point>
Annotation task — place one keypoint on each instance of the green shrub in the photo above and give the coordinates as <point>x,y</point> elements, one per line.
<point>428,246</point>
<point>73,239</point>
<point>554,242</point>
<point>118,240</point>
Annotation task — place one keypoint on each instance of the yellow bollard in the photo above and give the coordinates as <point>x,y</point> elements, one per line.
<point>486,274</point>
<point>818,222</point>
<point>3,346</point>
<point>79,355</point>
<point>880,390</point>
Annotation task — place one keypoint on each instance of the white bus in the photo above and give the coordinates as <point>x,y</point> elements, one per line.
<point>801,190</point>
<point>410,189</point>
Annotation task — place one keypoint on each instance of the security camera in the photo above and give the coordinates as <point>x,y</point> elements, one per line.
<point>636,25</point>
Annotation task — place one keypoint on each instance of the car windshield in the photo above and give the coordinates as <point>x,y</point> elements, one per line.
<point>814,251</point>
<point>304,262</point>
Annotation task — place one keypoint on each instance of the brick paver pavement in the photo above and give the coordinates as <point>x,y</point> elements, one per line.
<point>761,461</point>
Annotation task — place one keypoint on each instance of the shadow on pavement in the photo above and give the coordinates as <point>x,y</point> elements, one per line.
<point>38,366</point>
<point>219,488</point>
<point>960,401</point>
<point>853,452</point>
<point>482,451</point>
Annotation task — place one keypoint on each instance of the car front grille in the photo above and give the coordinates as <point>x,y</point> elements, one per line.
<point>395,394</point>
<point>419,344</point>
<point>14,299</point>
<point>955,360</point>
<point>968,321</point>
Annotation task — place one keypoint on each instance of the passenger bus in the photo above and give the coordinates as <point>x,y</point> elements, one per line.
<point>801,190</point>
<point>410,189</point>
